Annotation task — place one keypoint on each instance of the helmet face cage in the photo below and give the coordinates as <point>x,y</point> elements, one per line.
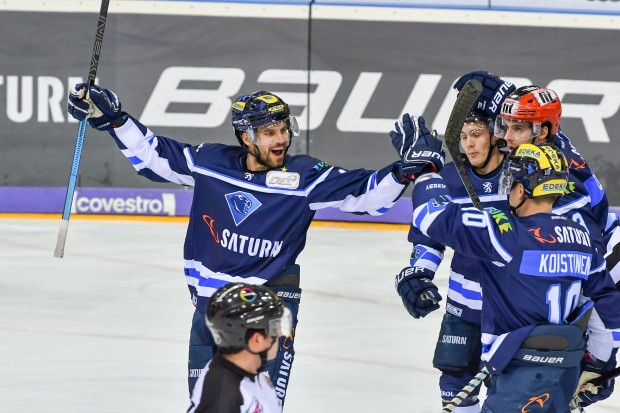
<point>533,104</point>
<point>541,169</point>
<point>249,112</point>
<point>236,308</point>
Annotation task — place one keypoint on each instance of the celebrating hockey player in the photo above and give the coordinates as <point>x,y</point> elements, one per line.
<point>540,264</point>
<point>246,321</point>
<point>459,362</point>
<point>252,204</point>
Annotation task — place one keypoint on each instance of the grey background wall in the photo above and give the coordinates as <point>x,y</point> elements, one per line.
<point>347,78</point>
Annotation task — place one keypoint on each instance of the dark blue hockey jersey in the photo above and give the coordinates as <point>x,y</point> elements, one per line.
<point>585,202</point>
<point>464,297</point>
<point>247,227</point>
<point>539,265</point>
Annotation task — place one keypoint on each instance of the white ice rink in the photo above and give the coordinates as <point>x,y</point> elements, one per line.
<point>105,329</point>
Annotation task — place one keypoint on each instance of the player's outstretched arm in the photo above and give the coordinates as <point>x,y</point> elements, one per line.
<point>158,158</point>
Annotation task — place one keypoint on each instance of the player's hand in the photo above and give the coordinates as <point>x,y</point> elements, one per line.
<point>588,393</point>
<point>100,106</point>
<point>419,149</point>
<point>494,90</point>
<point>415,287</point>
<point>77,106</point>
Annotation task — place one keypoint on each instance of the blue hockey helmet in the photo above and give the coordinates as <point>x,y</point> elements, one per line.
<point>236,308</point>
<point>249,112</point>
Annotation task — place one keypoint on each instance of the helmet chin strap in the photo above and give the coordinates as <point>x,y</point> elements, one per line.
<point>514,209</point>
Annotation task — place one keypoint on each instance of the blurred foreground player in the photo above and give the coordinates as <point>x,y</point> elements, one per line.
<point>246,322</point>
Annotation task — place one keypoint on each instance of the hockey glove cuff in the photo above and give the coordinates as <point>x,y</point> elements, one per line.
<point>415,287</point>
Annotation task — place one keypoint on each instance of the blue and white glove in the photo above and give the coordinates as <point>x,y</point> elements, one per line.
<point>420,151</point>
<point>494,90</point>
<point>588,393</point>
<point>100,106</point>
<point>415,287</point>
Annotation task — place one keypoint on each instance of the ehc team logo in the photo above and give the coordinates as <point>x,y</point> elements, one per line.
<point>241,205</point>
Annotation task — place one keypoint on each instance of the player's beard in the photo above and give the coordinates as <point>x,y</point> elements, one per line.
<point>265,157</point>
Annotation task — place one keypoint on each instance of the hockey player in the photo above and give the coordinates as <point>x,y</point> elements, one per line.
<point>540,263</point>
<point>531,114</point>
<point>458,360</point>
<point>252,203</point>
<point>246,322</point>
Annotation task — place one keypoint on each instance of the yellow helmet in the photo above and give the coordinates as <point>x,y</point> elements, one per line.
<point>542,169</point>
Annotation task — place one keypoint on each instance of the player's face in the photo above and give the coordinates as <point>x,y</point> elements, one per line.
<point>517,132</point>
<point>272,142</point>
<point>476,142</point>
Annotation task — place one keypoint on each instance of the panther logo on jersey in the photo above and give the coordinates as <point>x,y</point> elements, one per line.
<point>487,187</point>
<point>242,205</point>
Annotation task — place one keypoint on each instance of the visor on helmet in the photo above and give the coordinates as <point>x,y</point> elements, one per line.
<point>506,179</point>
<point>519,130</point>
<point>291,125</point>
<point>281,326</point>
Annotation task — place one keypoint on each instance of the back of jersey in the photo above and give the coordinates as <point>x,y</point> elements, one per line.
<point>551,257</point>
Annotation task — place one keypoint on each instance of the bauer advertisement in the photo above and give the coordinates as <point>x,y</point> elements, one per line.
<point>346,80</point>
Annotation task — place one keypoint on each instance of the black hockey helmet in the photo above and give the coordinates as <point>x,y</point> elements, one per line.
<point>236,308</point>
<point>477,115</point>
<point>261,108</point>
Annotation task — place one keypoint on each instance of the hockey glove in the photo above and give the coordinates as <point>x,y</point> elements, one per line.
<point>588,393</point>
<point>420,296</point>
<point>100,106</point>
<point>77,107</point>
<point>494,90</point>
<point>420,151</point>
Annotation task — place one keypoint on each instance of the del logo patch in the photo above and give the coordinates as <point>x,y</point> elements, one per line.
<point>279,179</point>
<point>241,205</point>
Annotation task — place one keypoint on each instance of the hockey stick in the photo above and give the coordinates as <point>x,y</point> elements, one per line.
<point>59,252</point>
<point>462,107</point>
<point>469,387</point>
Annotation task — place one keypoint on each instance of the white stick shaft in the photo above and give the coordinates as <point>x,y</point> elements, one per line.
<point>59,252</point>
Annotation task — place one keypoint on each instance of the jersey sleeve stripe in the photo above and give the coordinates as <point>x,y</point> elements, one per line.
<point>576,204</point>
<point>594,189</point>
<point>378,198</point>
<point>494,240</point>
<point>143,154</point>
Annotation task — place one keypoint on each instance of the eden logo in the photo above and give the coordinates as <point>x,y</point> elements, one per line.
<point>241,205</point>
